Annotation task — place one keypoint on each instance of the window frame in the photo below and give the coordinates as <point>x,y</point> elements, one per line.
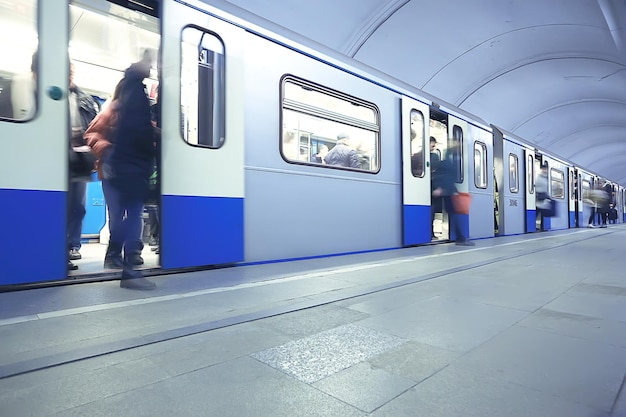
<point>560,179</point>
<point>482,148</point>
<point>346,121</point>
<point>221,100</point>
<point>530,173</point>
<point>456,143</point>
<point>514,159</point>
<point>27,83</point>
<point>421,173</point>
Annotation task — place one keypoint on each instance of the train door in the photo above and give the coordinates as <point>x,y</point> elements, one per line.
<point>33,128</point>
<point>573,197</point>
<point>203,139</point>
<point>416,188</point>
<point>531,209</point>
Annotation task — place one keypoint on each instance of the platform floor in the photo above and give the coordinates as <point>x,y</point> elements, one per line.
<point>528,326</point>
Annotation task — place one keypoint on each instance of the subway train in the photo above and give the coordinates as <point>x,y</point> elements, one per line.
<point>247,112</point>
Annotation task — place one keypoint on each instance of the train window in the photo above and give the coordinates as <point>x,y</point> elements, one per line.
<point>572,185</point>
<point>455,146</point>
<point>18,46</point>
<point>316,120</point>
<point>530,174</point>
<point>202,88</point>
<point>586,187</point>
<point>557,183</point>
<point>480,165</point>
<point>418,156</point>
<point>513,173</point>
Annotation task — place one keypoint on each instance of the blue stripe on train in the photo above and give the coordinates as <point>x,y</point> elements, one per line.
<point>531,221</point>
<point>198,231</point>
<point>417,228</point>
<point>32,236</point>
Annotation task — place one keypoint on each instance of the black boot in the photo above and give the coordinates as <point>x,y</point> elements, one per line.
<point>133,279</point>
<point>132,253</point>
<point>113,257</point>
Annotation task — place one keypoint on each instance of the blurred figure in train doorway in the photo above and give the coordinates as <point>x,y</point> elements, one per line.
<point>444,187</point>
<point>543,203</point>
<point>152,202</point>
<point>436,205</point>
<point>83,109</point>
<point>612,214</point>
<point>320,156</point>
<point>597,198</point>
<point>604,207</point>
<point>127,168</point>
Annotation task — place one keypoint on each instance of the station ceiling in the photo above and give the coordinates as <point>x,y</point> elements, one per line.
<point>552,72</point>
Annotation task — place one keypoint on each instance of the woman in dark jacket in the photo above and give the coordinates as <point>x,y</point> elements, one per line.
<point>444,187</point>
<point>126,169</point>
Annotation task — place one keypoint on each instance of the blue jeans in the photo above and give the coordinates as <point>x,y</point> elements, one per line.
<point>77,193</point>
<point>125,218</point>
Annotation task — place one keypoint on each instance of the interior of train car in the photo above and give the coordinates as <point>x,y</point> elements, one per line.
<point>105,37</point>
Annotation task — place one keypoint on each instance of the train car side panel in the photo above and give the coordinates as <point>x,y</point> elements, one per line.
<point>295,208</point>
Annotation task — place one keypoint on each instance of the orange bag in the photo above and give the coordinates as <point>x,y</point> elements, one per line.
<point>461,202</point>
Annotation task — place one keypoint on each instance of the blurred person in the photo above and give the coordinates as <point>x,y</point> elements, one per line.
<point>24,92</point>
<point>612,214</point>
<point>417,164</point>
<point>342,154</point>
<point>99,136</point>
<point>436,205</point>
<point>320,156</point>
<point>445,187</point>
<point>543,203</point>
<point>152,203</point>
<point>434,155</point>
<point>605,206</point>
<point>83,109</point>
<point>127,168</point>
<point>596,197</point>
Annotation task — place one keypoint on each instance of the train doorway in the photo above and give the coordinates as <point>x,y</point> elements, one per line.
<point>105,38</point>
<point>439,142</point>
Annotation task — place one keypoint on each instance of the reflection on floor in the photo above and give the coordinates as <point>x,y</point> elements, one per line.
<point>93,259</point>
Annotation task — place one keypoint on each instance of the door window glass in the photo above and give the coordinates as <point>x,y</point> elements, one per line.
<point>18,68</point>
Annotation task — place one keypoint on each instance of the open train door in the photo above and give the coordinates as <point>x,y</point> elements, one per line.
<point>202,169</point>
<point>416,220</point>
<point>531,208</point>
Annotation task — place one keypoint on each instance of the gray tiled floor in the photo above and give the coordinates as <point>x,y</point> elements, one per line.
<point>531,329</point>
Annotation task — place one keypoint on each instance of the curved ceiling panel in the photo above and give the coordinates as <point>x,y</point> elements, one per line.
<point>550,71</point>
